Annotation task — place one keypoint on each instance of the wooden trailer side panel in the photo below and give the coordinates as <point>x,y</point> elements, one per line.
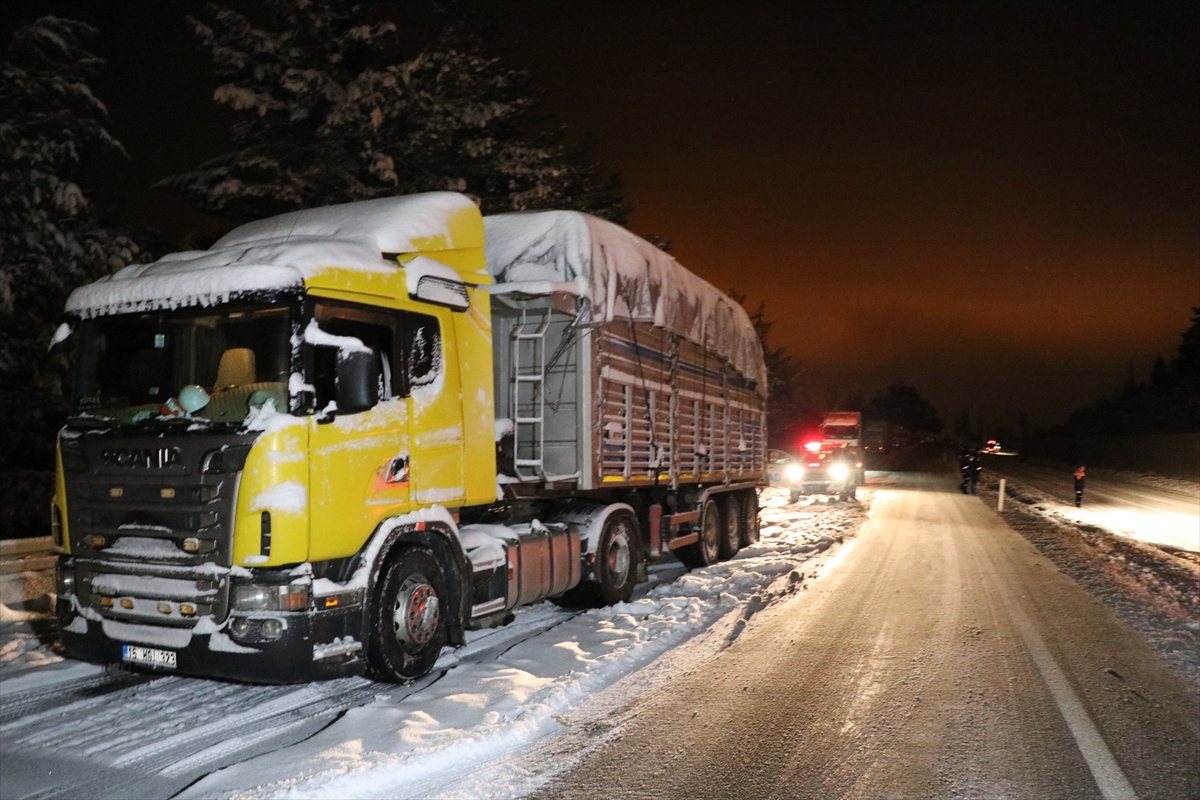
<point>669,412</point>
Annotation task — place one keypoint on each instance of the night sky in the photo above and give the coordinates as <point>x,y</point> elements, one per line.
<point>999,204</point>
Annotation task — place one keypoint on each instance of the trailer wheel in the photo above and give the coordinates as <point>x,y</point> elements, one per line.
<point>707,550</point>
<point>618,558</point>
<point>731,524</point>
<point>408,617</point>
<point>749,509</point>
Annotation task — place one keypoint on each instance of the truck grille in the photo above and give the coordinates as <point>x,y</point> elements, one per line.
<point>147,532</point>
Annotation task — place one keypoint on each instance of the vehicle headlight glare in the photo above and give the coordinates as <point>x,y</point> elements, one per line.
<point>794,472</point>
<point>839,471</point>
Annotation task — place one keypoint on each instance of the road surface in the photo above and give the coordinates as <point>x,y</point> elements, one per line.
<point>1154,514</point>
<point>943,657</point>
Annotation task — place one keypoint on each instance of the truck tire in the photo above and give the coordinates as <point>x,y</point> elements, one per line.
<point>706,551</point>
<point>618,559</point>
<point>749,508</point>
<point>731,524</point>
<point>408,616</point>
<point>794,496</point>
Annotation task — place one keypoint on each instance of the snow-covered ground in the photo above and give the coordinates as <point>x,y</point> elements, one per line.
<point>1155,589</point>
<point>509,688</point>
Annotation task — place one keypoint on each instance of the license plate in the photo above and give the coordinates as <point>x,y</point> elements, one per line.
<point>148,656</point>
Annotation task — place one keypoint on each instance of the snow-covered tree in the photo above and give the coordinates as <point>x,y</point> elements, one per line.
<point>50,237</point>
<point>332,112</point>
<point>901,404</point>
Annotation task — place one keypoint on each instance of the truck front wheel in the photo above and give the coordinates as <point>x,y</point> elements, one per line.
<point>408,617</point>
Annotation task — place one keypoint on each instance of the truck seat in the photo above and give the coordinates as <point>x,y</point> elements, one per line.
<point>237,368</point>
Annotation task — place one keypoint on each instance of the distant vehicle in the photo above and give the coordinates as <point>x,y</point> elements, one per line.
<point>992,446</point>
<point>825,470</point>
<point>875,435</point>
<point>783,469</point>
<point>842,429</point>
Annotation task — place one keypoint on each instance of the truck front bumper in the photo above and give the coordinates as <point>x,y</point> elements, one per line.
<point>312,645</point>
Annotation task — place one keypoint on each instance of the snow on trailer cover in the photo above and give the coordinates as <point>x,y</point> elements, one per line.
<point>614,364</point>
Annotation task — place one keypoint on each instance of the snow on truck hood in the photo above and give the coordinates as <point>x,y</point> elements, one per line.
<point>281,252</point>
<point>622,276</point>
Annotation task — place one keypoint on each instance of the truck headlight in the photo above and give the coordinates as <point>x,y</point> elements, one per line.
<point>839,472</point>
<point>270,598</point>
<point>794,472</point>
<point>65,579</point>
<point>231,458</point>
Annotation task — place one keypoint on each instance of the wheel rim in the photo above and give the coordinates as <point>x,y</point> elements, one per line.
<point>618,556</point>
<point>415,614</point>
<point>710,535</point>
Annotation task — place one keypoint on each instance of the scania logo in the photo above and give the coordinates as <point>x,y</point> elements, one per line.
<point>142,457</point>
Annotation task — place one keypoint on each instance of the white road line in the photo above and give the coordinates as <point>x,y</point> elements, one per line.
<point>1107,773</point>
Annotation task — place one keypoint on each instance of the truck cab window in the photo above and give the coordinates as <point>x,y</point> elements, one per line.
<point>374,329</point>
<point>424,348</point>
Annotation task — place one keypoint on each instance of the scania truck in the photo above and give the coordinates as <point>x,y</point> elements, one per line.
<point>341,438</point>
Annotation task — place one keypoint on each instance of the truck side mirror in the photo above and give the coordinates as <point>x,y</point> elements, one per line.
<point>359,373</point>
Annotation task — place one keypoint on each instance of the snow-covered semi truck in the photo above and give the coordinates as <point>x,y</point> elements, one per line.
<point>341,438</point>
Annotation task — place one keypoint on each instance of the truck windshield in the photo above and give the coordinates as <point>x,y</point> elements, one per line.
<point>212,363</point>
<point>841,431</point>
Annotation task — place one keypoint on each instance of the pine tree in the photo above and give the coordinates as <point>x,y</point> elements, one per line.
<point>50,237</point>
<point>332,113</point>
<point>787,408</point>
<point>901,404</point>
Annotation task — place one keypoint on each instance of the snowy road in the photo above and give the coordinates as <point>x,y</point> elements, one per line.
<point>943,657</point>
<point>1167,514</point>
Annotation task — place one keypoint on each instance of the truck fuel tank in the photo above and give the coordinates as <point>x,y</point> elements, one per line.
<point>519,564</point>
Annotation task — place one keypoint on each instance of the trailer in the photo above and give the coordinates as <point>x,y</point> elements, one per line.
<point>340,438</point>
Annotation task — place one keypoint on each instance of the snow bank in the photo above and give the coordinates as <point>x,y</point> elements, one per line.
<point>622,276</point>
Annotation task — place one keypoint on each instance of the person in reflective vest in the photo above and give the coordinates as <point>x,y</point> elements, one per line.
<point>1079,473</point>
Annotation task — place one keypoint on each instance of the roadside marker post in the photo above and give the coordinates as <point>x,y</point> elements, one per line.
<point>1000,499</point>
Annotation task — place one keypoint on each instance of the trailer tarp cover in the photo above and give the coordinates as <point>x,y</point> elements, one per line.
<point>623,277</point>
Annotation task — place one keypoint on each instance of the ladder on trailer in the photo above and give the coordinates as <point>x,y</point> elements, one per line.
<point>528,394</point>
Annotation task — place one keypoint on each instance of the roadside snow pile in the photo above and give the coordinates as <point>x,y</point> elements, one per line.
<point>483,707</point>
<point>1154,591</point>
<point>26,622</point>
<point>20,647</point>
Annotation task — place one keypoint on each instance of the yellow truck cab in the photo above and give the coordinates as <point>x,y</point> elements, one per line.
<point>282,459</point>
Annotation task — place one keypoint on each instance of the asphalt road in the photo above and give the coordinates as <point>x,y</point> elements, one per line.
<point>1151,513</point>
<point>942,657</point>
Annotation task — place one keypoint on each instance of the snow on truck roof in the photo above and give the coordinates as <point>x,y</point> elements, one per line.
<point>539,252</point>
<point>281,252</point>
<point>622,276</point>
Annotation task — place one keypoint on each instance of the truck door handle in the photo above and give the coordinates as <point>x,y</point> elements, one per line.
<point>398,470</point>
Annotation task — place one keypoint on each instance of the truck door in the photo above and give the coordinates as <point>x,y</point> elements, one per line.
<point>436,424</point>
<point>359,463</point>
